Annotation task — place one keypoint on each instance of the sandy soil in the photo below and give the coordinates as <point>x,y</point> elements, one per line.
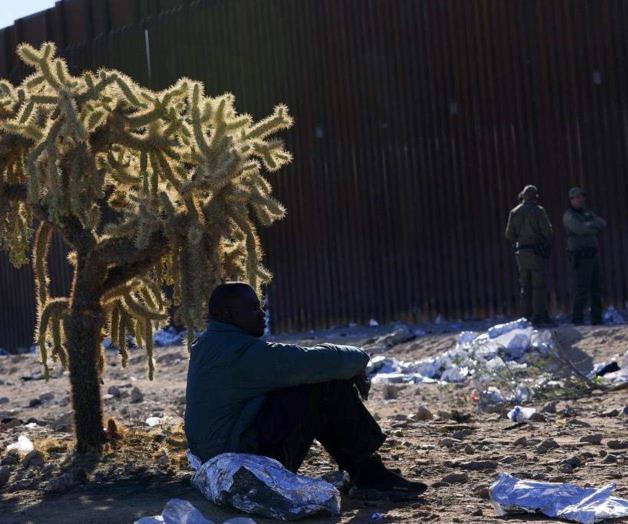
<point>459,452</point>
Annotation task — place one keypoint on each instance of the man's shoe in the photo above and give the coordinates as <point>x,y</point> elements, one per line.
<point>372,474</point>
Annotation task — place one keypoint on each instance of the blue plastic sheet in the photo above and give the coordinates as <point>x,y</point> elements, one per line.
<point>567,501</point>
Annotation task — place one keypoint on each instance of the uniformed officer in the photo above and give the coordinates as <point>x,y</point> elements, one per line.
<point>530,231</point>
<point>583,227</point>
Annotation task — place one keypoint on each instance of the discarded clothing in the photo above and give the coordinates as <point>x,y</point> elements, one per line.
<point>261,485</point>
<point>568,501</point>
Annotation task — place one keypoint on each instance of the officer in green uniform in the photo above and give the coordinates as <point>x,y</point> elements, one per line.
<point>530,232</point>
<point>583,227</point>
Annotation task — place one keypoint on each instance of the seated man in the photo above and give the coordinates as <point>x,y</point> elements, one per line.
<point>246,395</point>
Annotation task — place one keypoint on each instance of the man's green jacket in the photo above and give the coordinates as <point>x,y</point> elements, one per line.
<point>230,372</point>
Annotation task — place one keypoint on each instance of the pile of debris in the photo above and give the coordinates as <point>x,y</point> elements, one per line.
<point>474,356</point>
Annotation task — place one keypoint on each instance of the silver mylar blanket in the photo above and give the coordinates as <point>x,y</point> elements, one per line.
<point>261,485</point>
<point>566,501</point>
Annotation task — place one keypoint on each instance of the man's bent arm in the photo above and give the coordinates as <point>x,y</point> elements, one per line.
<point>285,365</point>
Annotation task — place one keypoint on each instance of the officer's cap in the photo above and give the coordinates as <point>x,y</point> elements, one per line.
<point>575,191</point>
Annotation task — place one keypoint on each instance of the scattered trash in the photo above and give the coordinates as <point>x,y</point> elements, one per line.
<point>612,316</point>
<point>501,329</point>
<point>604,369</point>
<point>373,323</point>
<point>23,445</point>
<point>477,356</point>
<point>568,501</point>
<point>614,372</point>
<point>154,421</point>
<point>176,511</point>
<point>261,485</point>
<point>519,414</point>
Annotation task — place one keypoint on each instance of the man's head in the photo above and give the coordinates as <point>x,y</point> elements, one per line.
<point>577,198</point>
<point>529,193</point>
<point>236,303</point>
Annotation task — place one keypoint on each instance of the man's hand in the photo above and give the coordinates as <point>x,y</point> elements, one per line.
<point>363,384</point>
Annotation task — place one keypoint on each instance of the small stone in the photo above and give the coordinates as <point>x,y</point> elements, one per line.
<point>547,445</point>
<point>595,439</point>
<point>477,513</point>
<point>4,400</point>
<point>482,491</point>
<point>461,433</point>
<point>455,478</point>
<point>61,483</point>
<point>136,395</point>
<point>550,407</point>
<point>114,391</point>
<point>609,459</point>
<point>537,417</point>
<point>46,397</point>
<point>469,449</point>
<point>480,465</point>
<point>5,474</point>
<point>448,442</point>
<point>63,423</point>
<point>573,462</point>
<point>10,459</point>
<point>617,444</point>
<point>423,413</point>
<point>34,458</point>
<point>624,412</point>
<point>391,392</point>
<point>34,402</point>
<point>610,413</point>
<point>521,441</point>
<point>11,423</point>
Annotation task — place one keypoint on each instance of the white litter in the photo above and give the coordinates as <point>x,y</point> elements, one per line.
<point>557,500</point>
<point>519,414</point>
<point>616,377</point>
<point>24,445</point>
<point>176,511</point>
<point>373,323</point>
<point>154,421</point>
<point>261,485</point>
<point>476,356</point>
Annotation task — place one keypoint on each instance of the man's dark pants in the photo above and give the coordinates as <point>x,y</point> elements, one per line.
<point>330,412</point>
<point>587,284</point>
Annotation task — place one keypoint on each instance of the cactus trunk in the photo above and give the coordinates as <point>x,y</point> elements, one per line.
<point>83,328</point>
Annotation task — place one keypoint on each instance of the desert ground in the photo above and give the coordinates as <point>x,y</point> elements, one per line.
<point>580,438</point>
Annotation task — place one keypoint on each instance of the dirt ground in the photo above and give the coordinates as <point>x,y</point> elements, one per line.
<point>459,452</point>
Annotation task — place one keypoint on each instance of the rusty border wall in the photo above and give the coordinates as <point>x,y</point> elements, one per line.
<point>417,123</point>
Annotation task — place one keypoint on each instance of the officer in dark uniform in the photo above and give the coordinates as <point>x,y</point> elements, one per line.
<point>530,231</point>
<point>583,227</point>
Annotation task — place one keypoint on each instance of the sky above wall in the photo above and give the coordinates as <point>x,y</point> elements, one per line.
<point>11,10</point>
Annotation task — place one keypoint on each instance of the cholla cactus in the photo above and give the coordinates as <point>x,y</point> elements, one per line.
<point>148,189</point>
